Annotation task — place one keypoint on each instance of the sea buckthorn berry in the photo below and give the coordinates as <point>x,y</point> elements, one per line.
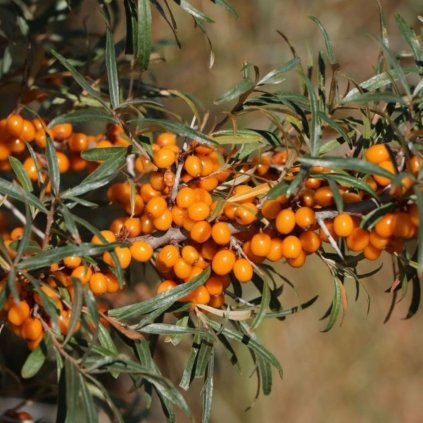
<point>111,282</point>
<point>72,262</point>
<point>196,270</point>
<point>260,244</point>
<point>164,158</point>
<point>251,256</point>
<point>285,221</point>
<point>208,250</point>
<point>178,215</point>
<point>216,301</point>
<point>185,197</point>
<point>4,152</point>
<point>215,285</point>
<point>377,153</point>
<point>203,196</point>
<point>207,165</point>
<point>27,133</point>
<point>275,251</point>
<point>78,142</point>
<point>291,247</point>
<point>83,273</point>
<point>156,206</point>
<point>18,313</point>
<point>371,252</point>
<point>414,164</point>
<point>271,209</point>
<point>246,213</point>
<point>388,166</point>
<point>351,197</point>
<point>201,231</point>
<point>229,210</point>
<point>32,329</point>
<point>198,211</point>
<point>137,208</point>
<point>31,169</point>
<point>132,226</point>
<point>223,262</point>
<point>16,233</point>
<point>141,251</point>
<point>304,217</point>
<point>201,295</point>
<point>193,166</point>
<point>310,241</point>
<point>188,223</point>
<point>98,283</point>
<point>166,138</point>
<point>358,240</point>
<point>385,226</point>
<point>298,261</point>
<point>343,224</point>
<point>306,197</point>
<point>324,197</point>
<point>61,132</point>
<point>109,237</point>
<point>243,271</point>
<point>413,210</point>
<point>312,183</point>
<point>147,226</point>
<point>164,221</point>
<point>147,192</point>
<point>123,255</point>
<point>209,184</point>
<point>182,269</point>
<point>378,241</point>
<point>221,233</point>
<point>168,255</point>
<point>14,125</point>
<point>190,254</point>
<point>403,227</point>
<point>165,286</point>
<point>157,180</point>
<point>62,162</point>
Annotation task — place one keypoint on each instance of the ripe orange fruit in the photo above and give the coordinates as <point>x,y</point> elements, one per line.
<point>166,285</point>
<point>72,261</point>
<point>107,235</point>
<point>32,329</point>
<point>98,283</point>
<point>343,224</point>
<point>260,244</point>
<point>182,269</point>
<point>223,262</point>
<point>185,197</point>
<point>193,166</point>
<point>358,240</point>
<point>14,125</point>
<point>156,206</point>
<point>291,247</point>
<point>298,261</point>
<point>168,255</point>
<point>198,211</point>
<point>190,254</point>
<point>165,139</point>
<point>164,158</point>
<point>141,251</point>
<point>377,153</point>
<point>310,241</point>
<point>382,180</point>
<point>164,221</point>
<point>201,295</point>
<point>215,285</point>
<point>83,273</point>
<point>304,217</point>
<point>285,221</point>
<point>31,169</point>
<point>123,255</point>
<point>378,241</point>
<point>371,252</point>
<point>78,142</point>
<point>271,209</point>
<point>324,197</point>
<point>112,282</point>
<point>18,313</point>
<point>246,213</point>
<point>385,226</point>
<point>275,252</point>
<point>243,271</point>
<point>201,231</point>
<point>27,133</point>
<point>62,131</point>
<point>132,226</point>
<point>221,233</point>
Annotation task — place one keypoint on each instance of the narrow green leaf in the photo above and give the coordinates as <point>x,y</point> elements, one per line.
<point>236,91</point>
<point>33,363</point>
<point>88,402</point>
<point>279,189</point>
<point>265,372</point>
<point>264,303</point>
<point>77,303</point>
<point>144,36</point>
<point>365,98</point>
<point>88,114</point>
<point>274,76</point>
<point>203,359</point>
<point>70,223</point>
<point>79,79</point>
<point>347,180</point>
<point>21,174</point>
<point>293,310</point>
<point>188,373</point>
<point>72,392</point>
<point>165,299</point>
<point>228,6</point>
<point>336,304</point>
<point>53,166</point>
<point>106,340</point>
<point>411,39</point>
<point>188,7</point>
<point>112,74</point>
<point>326,38</point>
<point>168,329</point>
<point>18,193</point>
<point>315,127</point>
<point>207,390</point>
<point>100,154</point>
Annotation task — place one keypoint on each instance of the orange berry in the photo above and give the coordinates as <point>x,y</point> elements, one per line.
<point>98,283</point>
<point>382,180</point>
<point>157,181</point>
<point>285,221</point>
<point>164,158</point>
<point>298,261</point>
<point>260,244</point>
<point>164,221</point>
<point>4,153</point>
<point>31,169</point>
<point>141,251</point>
<point>371,252</point>
<point>271,209</point>
<point>216,301</point>
<point>166,138</point>
<point>123,255</point>
<point>168,255</point>
<point>377,153</point>
<point>414,164</point>
<point>83,273</point>
<point>223,262</point>
<point>275,252</point>
<point>243,271</point>
<point>306,197</point>
<point>16,146</point>
<point>147,192</point>
<point>246,213</point>
<point>209,249</point>
<point>109,237</point>
<point>18,313</point>
<point>182,269</point>
<point>62,131</point>
<point>193,166</point>
<point>111,282</point>
<point>185,197</point>
<point>324,197</point>
<point>72,262</point>
<point>178,215</point>
<point>304,217</point>
<point>147,226</point>
<point>138,206</point>
<point>358,240</point>
<point>78,142</point>
<point>198,211</point>
<point>14,125</point>
<point>377,241</point>
<point>190,254</point>
<point>312,183</point>
<point>343,224</point>
<point>165,286</point>
<point>310,241</point>
<point>209,184</point>
<point>385,226</point>
<point>132,226</point>
<point>196,270</point>
<point>221,233</point>
<point>32,329</point>
<point>291,247</point>
<point>203,196</point>
<point>413,210</point>
<point>16,233</point>
<point>207,166</point>
<point>188,223</point>
<point>215,285</point>
<point>27,133</point>
<point>62,162</point>
<point>201,295</point>
<point>156,206</point>
<point>201,231</point>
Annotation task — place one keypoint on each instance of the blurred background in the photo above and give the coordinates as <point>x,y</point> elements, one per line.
<point>364,370</point>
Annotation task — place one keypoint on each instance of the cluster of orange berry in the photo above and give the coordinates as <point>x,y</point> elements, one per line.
<point>196,206</point>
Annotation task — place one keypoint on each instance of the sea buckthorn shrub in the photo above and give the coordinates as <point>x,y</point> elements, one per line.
<point>205,216</point>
